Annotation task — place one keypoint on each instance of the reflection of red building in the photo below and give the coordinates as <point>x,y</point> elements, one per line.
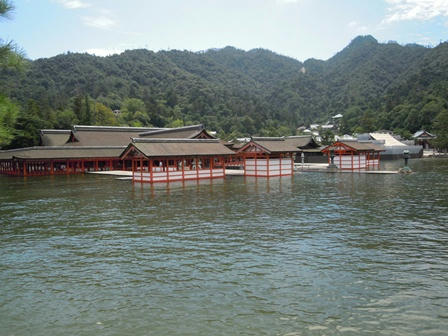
<point>354,155</point>
<point>268,157</point>
<point>167,160</point>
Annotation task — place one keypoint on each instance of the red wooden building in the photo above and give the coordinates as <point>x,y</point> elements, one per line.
<point>54,160</point>
<point>84,148</point>
<point>268,157</point>
<point>354,155</point>
<point>167,160</point>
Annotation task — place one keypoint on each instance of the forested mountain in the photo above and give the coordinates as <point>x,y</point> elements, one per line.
<point>258,92</point>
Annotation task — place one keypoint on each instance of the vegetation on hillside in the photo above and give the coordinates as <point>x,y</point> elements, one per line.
<point>236,93</point>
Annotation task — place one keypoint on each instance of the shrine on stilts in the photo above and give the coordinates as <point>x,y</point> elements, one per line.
<point>167,160</point>
<point>176,154</point>
<point>268,157</point>
<point>354,155</point>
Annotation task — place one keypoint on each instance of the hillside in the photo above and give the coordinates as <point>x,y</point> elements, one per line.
<point>234,92</point>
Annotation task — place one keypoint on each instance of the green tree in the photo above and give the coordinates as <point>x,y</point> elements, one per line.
<point>8,116</point>
<point>104,116</point>
<point>10,55</point>
<point>28,125</point>
<point>77,108</point>
<point>440,130</point>
<point>133,112</point>
<point>87,112</point>
<point>65,119</point>
<point>327,137</point>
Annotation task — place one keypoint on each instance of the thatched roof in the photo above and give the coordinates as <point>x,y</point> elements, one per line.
<point>186,132</point>
<point>176,147</point>
<point>52,137</point>
<point>62,152</point>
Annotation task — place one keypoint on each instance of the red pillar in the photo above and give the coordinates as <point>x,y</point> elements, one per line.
<point>141,169</point>
<point>183,169</point>
<point>197,168</point>
<point>281,172</point>
<point>133,169</point>
<point>151,174</point>
<point>268,165</point>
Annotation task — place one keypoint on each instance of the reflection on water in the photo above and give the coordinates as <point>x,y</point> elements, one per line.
<point>315,254</point>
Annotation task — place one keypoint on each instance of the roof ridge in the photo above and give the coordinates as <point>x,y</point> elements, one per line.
<point>59,147</point>
<point>49,131</point>
<point>268,138</point>
<point>200,127</point>
<point>112,128</point>
<point>173,140</point>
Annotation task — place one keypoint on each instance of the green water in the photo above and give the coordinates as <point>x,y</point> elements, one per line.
<point>316,254</point>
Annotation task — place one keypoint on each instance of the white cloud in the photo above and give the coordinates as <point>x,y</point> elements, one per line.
<point>356,26</point>
<point>104,51</point>
<point>400,10</point>
<point>102,22</point>
<point>74,4</point>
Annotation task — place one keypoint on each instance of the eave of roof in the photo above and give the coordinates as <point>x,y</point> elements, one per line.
<point>61,152</point>
<point>162,147</point>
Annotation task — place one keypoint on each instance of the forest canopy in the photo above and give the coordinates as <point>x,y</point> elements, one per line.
<point>234,92</point>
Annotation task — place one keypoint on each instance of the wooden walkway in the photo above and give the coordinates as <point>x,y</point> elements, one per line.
<point>323,168</point>
<point>319,167</point>
<point>122,173</point>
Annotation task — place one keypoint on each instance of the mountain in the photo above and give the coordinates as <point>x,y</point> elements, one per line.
<point>236,92</point>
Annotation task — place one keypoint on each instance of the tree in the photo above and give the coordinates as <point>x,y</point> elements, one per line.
<point>440,129</point>
<point>27,126</point>
<point>8,116</point>
<point>104,116</point>
<point>327,137</point>
<point>133,112</point>
<point>77,108</point>
<point>10,55</point>
<point>87,120</point>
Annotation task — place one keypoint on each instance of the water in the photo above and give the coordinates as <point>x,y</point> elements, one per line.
<point>317,254</point>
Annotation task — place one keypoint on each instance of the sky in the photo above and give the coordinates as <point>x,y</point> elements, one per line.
<point>301,29</point>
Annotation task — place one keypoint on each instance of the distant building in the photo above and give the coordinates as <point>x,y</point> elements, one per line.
<point>393,146</point>
<point>327,127</point>
<point>423,138</point>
